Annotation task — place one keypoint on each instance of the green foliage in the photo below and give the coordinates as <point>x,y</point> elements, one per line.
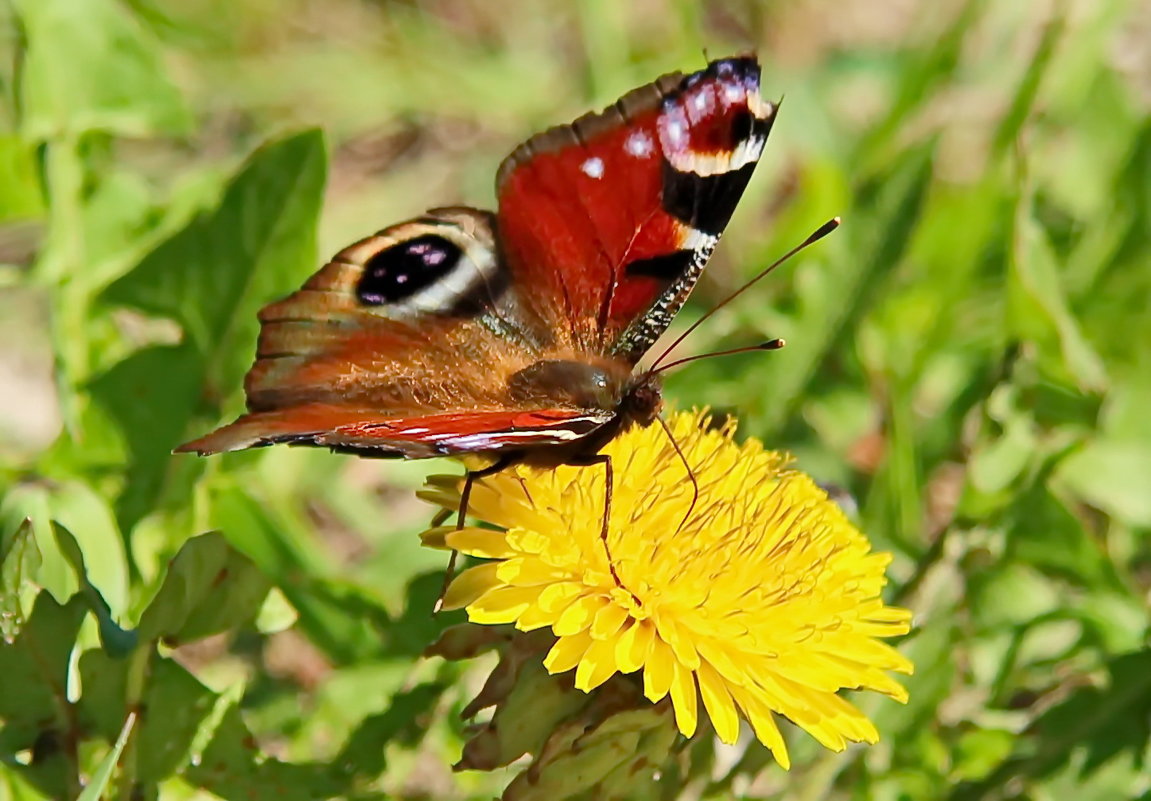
<point>968,357</point>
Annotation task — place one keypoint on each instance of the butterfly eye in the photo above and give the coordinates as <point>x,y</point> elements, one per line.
<point>396,273</point>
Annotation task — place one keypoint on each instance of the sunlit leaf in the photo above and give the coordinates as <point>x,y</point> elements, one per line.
<point>19,562</point>
<point>258,244</point>
<point>89,66</point>
<point>209,587</point>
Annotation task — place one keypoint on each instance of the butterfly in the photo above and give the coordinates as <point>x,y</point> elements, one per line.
<point>516,334</point>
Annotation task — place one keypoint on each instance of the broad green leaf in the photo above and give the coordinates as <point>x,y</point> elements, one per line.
<point>981,750</point>
<point>115,640</point>
<point>175,701</point>
<point>995,465</point>
<point>152,394</point>
<point>1044,533</point>
<point>209,587</point>
<point>1107,722</point>
<point>1112,475</point>
<point>211,277</point>
<point>90,66</point>
<point>83,511</point>
<point>343,620</point>
<point>19,562</point>
<point>20,195</point>
<point>33,692</point>
<point>231,768</point>
<point>276,614</point>
<point>86,514</point>
<point>94,789</point>
<point>1011,595</point>
<point>366,747</point>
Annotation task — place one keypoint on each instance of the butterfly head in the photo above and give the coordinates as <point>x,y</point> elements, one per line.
<point>642,399</point>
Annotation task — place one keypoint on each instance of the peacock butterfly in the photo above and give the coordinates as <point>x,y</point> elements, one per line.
<point>516,334</point>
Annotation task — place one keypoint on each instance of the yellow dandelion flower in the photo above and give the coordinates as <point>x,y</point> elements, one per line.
<point>764,601</point>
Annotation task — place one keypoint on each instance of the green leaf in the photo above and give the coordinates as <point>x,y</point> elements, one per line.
<point>85,513</point>
<point>1044,533</point>
<point>20,195</point>
<point>341,619</point>
<point>116,640</point>
<point>34,697</point>
<point>209,587</point>
<point>19,561</point>
<point>997,464</point>
<point>94,790</point>
<point>152,395</point>
<point>175,701</point>
<point>1107,721</point>
<point>89,66</point>
<point>405,721</point>
<point>1024,99</point>
<point>1038,305</point>
<point>1113,476</point>
<point>212,276</point>
<point>231,768</point>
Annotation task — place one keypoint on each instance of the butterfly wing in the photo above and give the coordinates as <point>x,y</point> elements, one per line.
<point>367,431</point>
<point>607,223</point>
<point>406,344</point>
<point>412,342</point>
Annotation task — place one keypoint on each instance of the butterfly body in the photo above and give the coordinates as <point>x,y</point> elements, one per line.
<point>516,334</point>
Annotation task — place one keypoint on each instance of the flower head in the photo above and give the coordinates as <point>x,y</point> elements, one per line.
<point>763,599</point>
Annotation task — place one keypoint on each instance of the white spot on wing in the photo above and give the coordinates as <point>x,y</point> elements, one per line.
<point>593,167</point>
<point>676,132</point>
<point>639,144</point>
<point>696,240</point>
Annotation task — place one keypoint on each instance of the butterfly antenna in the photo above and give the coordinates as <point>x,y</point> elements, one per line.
<point>687,466</point>
<point>771,344</point>
<point>817,235</point>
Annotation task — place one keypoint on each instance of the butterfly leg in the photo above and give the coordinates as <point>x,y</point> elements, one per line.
<point>609,481</point>
<point>505,460</point>
<point>687,466</point>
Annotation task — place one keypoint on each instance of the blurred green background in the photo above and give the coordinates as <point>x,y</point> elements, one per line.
<point>969,356</point>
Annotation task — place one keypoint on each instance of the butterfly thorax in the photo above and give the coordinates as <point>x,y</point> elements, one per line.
<point>606,386</point>
<point>570,383</point>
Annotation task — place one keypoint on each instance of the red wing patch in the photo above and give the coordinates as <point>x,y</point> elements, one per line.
<point>612,218</point>
<point>372,433</point>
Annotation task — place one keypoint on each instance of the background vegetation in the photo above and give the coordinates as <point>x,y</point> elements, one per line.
<point>969,357</point>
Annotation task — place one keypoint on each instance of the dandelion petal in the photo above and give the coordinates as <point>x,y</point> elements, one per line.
<point>470,585</point>
<point>683,699</point>
<point>718,703</point>
<point>567,652</point>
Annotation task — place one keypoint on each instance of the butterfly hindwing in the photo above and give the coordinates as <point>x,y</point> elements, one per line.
<point>372,432</point>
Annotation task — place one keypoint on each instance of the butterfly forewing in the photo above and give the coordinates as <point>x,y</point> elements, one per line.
<point>607,223</point>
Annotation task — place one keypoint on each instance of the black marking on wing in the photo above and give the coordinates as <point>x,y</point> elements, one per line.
<point>705,202</point>
<point>667,267</point>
